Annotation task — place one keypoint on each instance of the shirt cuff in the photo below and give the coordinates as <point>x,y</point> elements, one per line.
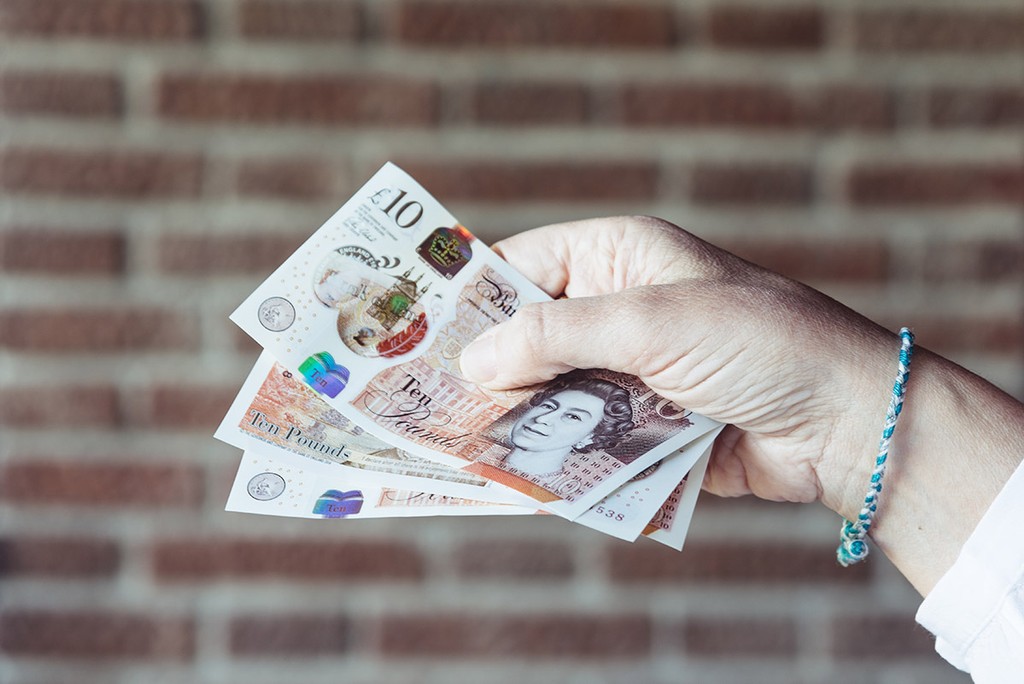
<point>987,572</point>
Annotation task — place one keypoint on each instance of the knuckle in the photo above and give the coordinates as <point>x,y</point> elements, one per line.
<point>532,333</point>
<point>651,223</point>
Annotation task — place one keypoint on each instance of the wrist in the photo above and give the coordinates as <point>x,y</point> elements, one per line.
<point>861,389</point>
<point>950,456</point>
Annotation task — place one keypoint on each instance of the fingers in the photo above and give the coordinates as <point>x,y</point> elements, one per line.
<point>726,474</point>
<point>542,255</point>
<point>534,346</point>
<point>544,340</point>
<point>604,255</point>
<point>576,258</point>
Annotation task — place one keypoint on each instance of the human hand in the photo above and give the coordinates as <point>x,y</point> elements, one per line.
<point>787,367</point>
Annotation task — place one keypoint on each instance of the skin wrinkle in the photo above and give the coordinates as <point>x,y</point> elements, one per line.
<point>663,381</point>
<point>578,280</point>
<point>726,455</point>
<point>635,308</point>
<point>533,319</point>
<point>716,283</point>
<point>871,376</point>
<point>695,385</point>
<point>776,488</point>
<point>779,403</point>
<point>806,379</point>
<point>658,370</point>
<point>647,272</point>
<point>610,255</point>
<point>620,268</point>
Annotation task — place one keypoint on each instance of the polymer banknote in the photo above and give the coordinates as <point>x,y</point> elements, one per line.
<point>373,312</point>
<point>277,409</point>
<point>672,521</point>
<point>283,419</point>
<point>650,499</point>
<point>290,486</point>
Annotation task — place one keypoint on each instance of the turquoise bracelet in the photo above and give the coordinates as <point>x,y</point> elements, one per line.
<point>853,537</point>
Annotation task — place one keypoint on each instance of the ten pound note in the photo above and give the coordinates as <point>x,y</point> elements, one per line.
<point>373,312</point>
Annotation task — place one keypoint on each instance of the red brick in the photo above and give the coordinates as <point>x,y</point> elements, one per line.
<point>130,174</point>
<point>892,637</point>
<point>364,99</point>
<point>502,23</point>
<point>769,563</point>
<point>852,260</point>
<point>187,407</point>
<point>983,260</point>
<point>218,255</point>
<point>40,481</point>
<point>746,105</point>
<point>935,184</point>
<point>57,252</point>
<point>60,94</point>
<point>300,19</point>
<point>980,107</point>
<point>289,635</point>
<point>766,28</point>
<point>482,181</point>
<point>515,636</point>
<point>136,20</point>
<point>957,334</point>
<point>928,29</point>
<point>97,330</point>
<point>849,106</point>
<point>733,184</point>
<point>55,557</point>
<point>716,637</point>
<point>707,104</point>
<point>308,560</point>
<point>529,103</point>
<point>526,560</point>
<point>95,636</point>
<point>78,406</point>
<point>299,179</point>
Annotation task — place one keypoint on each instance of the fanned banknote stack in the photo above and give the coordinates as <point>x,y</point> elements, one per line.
<point>357,407</point>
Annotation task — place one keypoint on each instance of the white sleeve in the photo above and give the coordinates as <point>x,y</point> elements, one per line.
<point>976,611</point>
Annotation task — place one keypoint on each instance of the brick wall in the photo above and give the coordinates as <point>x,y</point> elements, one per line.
<point>159,157</point>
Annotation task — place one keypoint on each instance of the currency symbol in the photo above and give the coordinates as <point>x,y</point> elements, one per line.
<point>411,205</point>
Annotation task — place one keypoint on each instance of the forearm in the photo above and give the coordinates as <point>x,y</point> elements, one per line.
<point>957,442</point>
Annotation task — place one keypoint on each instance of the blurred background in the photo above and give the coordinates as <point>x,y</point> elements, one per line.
<point>160,157</point>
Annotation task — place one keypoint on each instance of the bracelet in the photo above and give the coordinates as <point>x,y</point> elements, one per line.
<point>853,546</point>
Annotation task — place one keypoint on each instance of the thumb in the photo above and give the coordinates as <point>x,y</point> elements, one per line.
<point>546,339</point>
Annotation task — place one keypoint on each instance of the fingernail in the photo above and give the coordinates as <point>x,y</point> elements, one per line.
<point>479,360</point>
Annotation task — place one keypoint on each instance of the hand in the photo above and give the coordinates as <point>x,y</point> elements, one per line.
<point>803,381</point>
<point>783,364</point>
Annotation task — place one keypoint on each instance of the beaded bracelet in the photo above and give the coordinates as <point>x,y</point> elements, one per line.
<point>853,546</point>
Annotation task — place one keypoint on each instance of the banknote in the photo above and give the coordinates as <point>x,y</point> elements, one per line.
<point>672,521</point>
<point>373,311</point>
<point>288,485</point>
<point>277,409</point>
<point>295,487</point>
<point>641,503</point>
<point>276,415</point>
